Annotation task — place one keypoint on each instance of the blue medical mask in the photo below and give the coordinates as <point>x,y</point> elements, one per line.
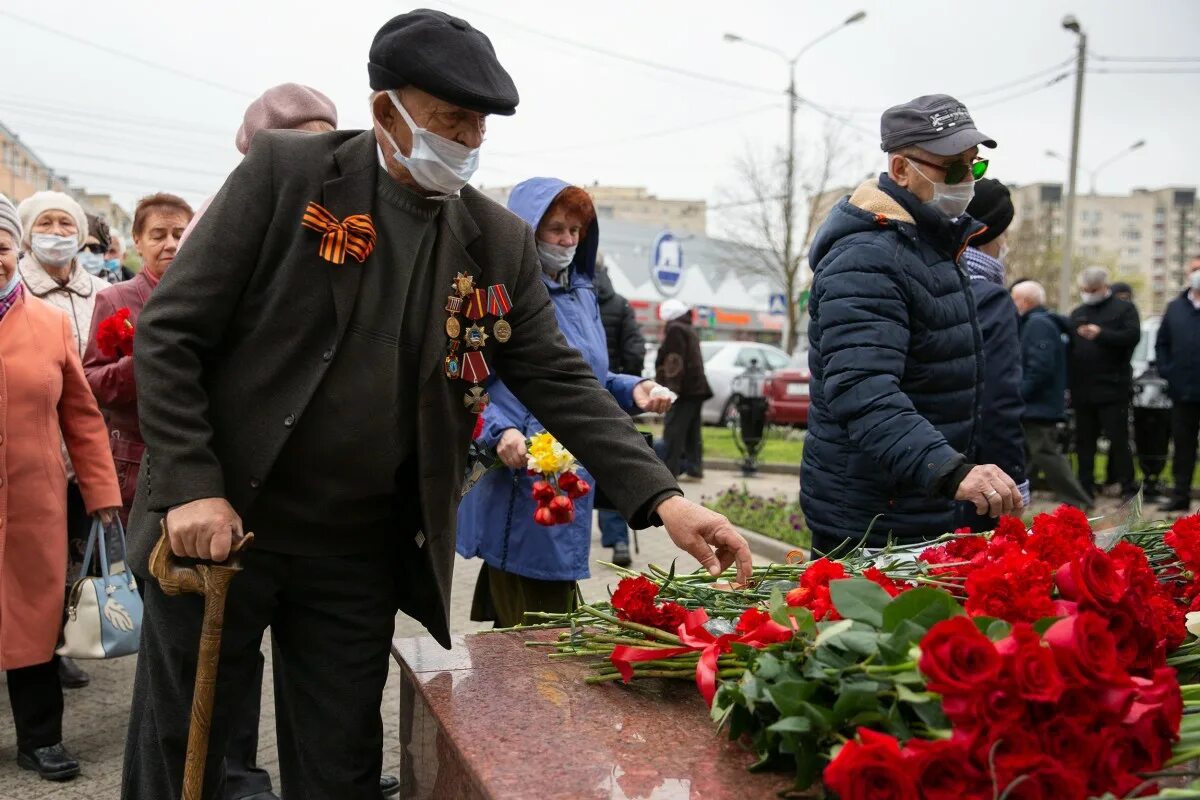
<point>7,290</point>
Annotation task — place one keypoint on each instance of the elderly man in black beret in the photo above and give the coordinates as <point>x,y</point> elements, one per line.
<point>310,369</point>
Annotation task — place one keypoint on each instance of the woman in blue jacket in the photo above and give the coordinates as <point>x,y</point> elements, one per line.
<point>529,567</point>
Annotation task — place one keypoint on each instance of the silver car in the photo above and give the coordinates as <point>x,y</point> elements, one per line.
<point>724,361</point>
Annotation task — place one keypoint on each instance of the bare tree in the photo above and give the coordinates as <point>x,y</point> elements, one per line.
<point>768,230</point>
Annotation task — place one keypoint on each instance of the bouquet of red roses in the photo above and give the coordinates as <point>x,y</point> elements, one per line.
<point>114,335</point>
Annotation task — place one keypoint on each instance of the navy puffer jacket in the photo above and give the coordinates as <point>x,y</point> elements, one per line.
<point>896,361</point>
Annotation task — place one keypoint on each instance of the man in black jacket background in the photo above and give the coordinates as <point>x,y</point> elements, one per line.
<point>1177,353</point>
<point>1104,332</point>
<point>626,356</point>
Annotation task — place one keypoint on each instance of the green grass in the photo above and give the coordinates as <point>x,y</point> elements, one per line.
<point>718,443</point>
<point>776,517</point>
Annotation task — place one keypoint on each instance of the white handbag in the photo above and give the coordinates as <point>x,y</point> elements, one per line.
<point>104,614</point>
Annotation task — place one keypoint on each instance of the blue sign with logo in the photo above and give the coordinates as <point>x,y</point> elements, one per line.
<point>666,264</point>
<point>777,305</point>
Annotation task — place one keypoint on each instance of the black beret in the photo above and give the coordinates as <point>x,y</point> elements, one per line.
<point>993,206</point>
<point>444,56</point>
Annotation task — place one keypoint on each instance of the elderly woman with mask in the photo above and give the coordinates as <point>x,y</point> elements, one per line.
<point>529,567</point>
<point>158,224</point>
<point>56,232</point>
<point>47,403</point>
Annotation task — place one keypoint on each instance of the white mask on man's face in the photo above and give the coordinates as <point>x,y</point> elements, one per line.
<point>436,163</point>
<point>950,199</point>
<point>1194,281</point>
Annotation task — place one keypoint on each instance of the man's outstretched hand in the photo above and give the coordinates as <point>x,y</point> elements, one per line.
<point>706,536</point>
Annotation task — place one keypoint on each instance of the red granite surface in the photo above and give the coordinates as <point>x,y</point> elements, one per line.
<point>523,726</point>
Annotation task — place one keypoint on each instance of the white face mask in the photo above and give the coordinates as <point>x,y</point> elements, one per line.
<point>437,164</point>
<point>951,200</point>
<point>92,262</point>
<point>555,258</point>
<point>1194,281</point>
<point>1093,298</point>
<point>52,250</point>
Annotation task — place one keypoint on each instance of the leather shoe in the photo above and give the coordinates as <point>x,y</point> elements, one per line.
<point>261,796</point>
<point>389,785</point>
<point>53,763</point>
<point>1177,504</point>
<point>621,555</point>
<point>71,675</point>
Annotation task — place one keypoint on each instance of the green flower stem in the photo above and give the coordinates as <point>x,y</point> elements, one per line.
<point>1184,757</point>
<point>609,677</point>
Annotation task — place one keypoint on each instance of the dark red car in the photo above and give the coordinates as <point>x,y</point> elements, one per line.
<point>787,393</point>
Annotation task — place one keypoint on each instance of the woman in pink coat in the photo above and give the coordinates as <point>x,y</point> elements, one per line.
<point>44,400</point>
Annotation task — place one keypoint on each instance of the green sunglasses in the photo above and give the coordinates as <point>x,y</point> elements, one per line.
<point>957,172</point>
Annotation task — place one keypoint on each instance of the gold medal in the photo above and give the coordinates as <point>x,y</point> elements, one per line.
<point>453,327</point>
<point>464,284</point>
<point>502,331</point>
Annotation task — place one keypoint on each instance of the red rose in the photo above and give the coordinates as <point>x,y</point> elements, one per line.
<point>1085,651</point>
<point>943,770</point>
<point>957,659</point>
<point>870,767</point>
<point>1132,628</point>
<point>1015,588</point>
<point>1114,763</point>
<point>1040,778</point>
<point>1065,739</point>
<point>1030,665</point>
<point>988,707</point>
<point>1092,580</point>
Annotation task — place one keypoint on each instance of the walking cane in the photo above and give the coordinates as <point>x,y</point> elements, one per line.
<point>211,581</point>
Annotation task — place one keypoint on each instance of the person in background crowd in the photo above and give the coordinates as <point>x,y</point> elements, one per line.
<point>288,106</point>
<point>1123,291</point>
<point>1177,355</point>
<point>1105,331</point>
<point>95,247</point>
<point>114,258</point>
<point>1000,438</point>
<point>528,567</point>
<point>42,381</point>
<point>626,356</point>
<point>1044,338</point>
<point>56,230</point>
<point>680,367</point>
<point>158,224</point>
<point>895,351</point>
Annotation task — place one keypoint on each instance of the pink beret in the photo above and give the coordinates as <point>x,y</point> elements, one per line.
<point>285,106</point>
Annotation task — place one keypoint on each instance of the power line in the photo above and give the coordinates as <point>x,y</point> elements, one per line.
<point>132,163</point>
<point>1025,92</point>
<point>112,51</point>
<point>1164,59</point>
<point>1018,81</point>
<point>124,180</point>
<point>687,73</point>
<point>1138,71</point>
<point>32,106</point>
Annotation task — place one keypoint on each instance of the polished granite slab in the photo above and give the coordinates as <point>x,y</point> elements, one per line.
<point>495,719</point>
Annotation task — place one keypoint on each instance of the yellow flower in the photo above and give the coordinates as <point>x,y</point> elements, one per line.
<point>547,455</point>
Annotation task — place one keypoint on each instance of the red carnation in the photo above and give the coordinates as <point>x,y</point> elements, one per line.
<point>1059,537</point>
<point>634,602</point>
<point>957,659</point>
<point>1184,538</point>
<point>890,586</point>
<point>813,592</point>
<point>870,767</point>
<point>1016,588</point>
<point>114,334</point>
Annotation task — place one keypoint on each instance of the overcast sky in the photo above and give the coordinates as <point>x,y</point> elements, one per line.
<point>588,113</point>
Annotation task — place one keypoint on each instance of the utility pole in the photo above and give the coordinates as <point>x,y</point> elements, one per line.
<point>1064,283</point>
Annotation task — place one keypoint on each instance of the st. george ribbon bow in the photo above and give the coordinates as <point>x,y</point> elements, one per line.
<point>354,236</point>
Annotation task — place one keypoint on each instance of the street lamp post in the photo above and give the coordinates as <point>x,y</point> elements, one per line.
<point>1092,173</point>
<point>789,196</point>
<point>1064,288</point>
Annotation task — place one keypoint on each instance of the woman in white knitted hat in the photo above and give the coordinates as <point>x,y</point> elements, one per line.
<point>55,230</point>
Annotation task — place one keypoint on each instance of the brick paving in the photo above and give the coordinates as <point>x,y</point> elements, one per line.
<point>96,716</point>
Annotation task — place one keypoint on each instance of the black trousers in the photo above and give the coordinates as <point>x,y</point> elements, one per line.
<point>243,776</point>
<point>1111,419</point>
<point>331,619</point>
<point>1152,439</point>
<point>1185,427</point>
<point>682,437</point>
<point>36,696</point>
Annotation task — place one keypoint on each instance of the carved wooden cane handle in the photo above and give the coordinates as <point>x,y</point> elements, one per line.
<point>176,577</point>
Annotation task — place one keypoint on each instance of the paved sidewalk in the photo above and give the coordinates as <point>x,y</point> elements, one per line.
<point>96,717</point>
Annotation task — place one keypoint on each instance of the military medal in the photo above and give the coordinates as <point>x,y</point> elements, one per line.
<point>476,400</point>
<point>499,304</point>
<point>476,305</point>
<point>453,327</point>
<point>475,337</point>
<point>463,284</point>
<point>453,364</point>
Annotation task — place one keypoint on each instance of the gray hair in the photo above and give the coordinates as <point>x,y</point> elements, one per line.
<point>1093,278</point>
<point>1031,290</point>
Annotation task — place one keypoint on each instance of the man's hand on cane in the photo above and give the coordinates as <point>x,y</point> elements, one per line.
<point>991,490</point>
<point>205,529</point>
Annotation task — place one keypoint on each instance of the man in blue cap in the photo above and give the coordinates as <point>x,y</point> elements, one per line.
<point>895,348</point>
<point>310,369</point>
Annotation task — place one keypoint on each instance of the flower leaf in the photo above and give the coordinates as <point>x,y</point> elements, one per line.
<point>860,599</point>
<point>923,606</point>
